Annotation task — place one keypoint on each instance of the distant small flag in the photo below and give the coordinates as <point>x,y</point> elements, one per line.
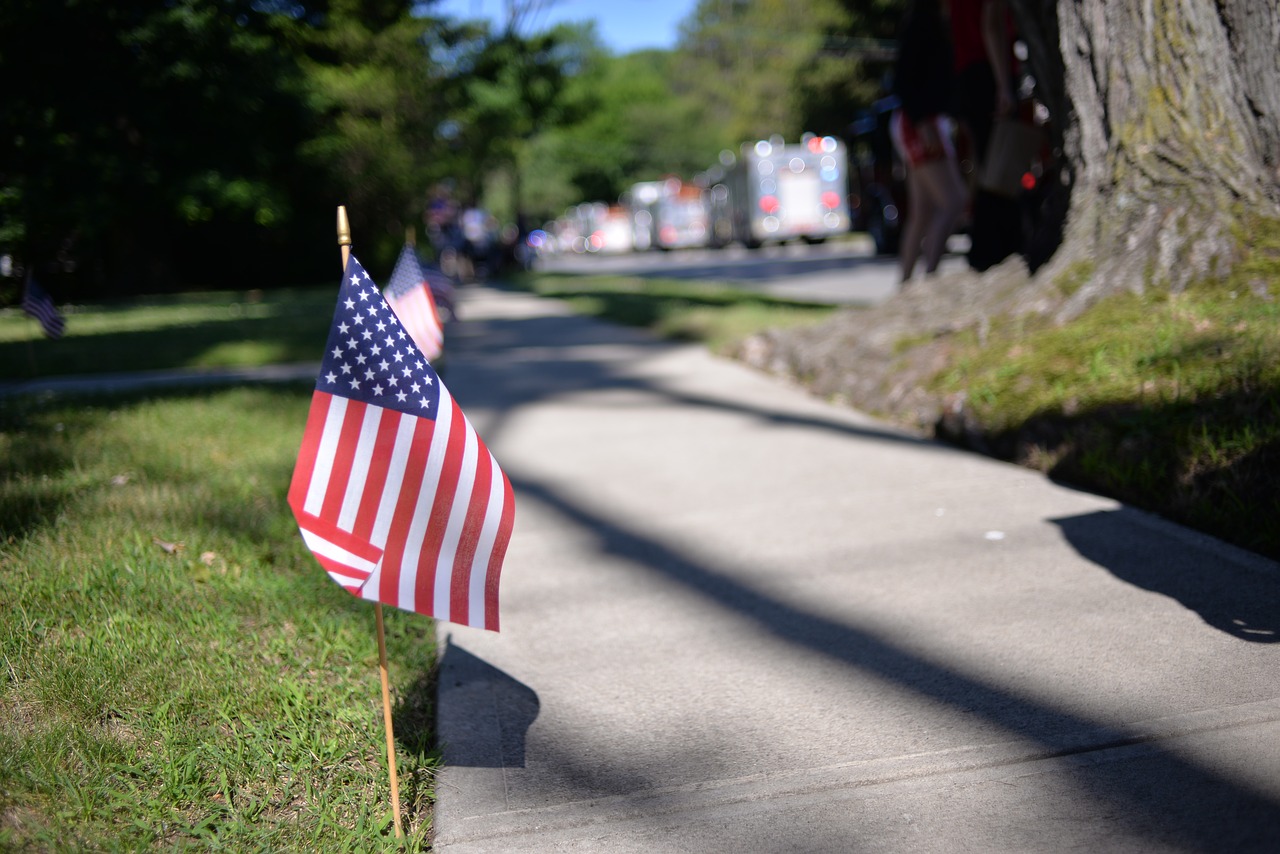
<point>442,291</point>
<point>409,295</point>
<point>395,494</point>
<point>37,303</point>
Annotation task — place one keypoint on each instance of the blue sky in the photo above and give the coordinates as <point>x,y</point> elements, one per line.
<point>623,25</point>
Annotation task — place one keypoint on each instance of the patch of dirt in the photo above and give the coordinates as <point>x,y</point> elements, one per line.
<point>881,360</point>
<point>878,360</point>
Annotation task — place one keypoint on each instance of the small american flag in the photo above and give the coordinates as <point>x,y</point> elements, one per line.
<point>394,493</point>
<point>37,303</point>
<point>410,298</point>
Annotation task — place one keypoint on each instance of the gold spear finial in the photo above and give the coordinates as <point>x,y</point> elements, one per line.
<point>344,235</point>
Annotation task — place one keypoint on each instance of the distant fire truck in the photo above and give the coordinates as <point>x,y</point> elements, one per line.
<point>667,214</point>
<point>772,192</point>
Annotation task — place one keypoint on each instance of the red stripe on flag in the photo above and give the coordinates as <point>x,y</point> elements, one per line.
<point>435,311</point>
<point>307,454</point>
<point>358,546</point>
<point>460,587</point>
<point>344,456</point>
<point>376,479</point>
<point>417,311</point>
<point>406,501</point>
<point>496,556</point>
<point>441,509</point>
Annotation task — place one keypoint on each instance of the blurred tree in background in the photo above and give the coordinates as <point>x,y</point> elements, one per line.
<point>764,67</point>
<point>134,133</point>
<point>375,97</point>
<point>188,143</point>
<point>850,69</point>
<point>632,123</point>
<point>515,90</point>
<point>199,142</point>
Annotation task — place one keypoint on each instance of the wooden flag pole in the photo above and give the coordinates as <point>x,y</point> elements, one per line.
<point>344,243</point>
<point>410,236</point>
<point>386,717</point>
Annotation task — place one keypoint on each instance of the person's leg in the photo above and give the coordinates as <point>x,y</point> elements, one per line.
<point>918,211</point>
<point>906,143</point>
<point>941,182</point>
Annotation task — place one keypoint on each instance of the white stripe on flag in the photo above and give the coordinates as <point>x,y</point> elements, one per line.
<point>350,582</point>
<point>360,468</point>
<point>325,548</point>
<point>409,566</point>
<point>325,453</point>
<point>484,548</point>
<point>395,477</point>
<point>389,501</point>
<point>457,519</point>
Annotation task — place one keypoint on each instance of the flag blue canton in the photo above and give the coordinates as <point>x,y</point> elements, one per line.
<point>37,303</point>
<point>370,357</point>
<point>407,274</point>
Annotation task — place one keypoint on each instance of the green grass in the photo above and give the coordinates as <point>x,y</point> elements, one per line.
<point>714,314</point>
<point>178,672</point>
<point>199,330</point>
<point>1169,402</point>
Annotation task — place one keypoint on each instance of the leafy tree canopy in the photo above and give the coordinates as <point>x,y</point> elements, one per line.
<point>192,142</point>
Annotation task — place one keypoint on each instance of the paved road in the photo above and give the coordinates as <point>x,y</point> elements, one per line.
<point>739,619</point>
<point>846,272</point>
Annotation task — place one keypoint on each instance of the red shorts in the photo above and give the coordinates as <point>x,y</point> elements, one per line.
<point>912,147</point>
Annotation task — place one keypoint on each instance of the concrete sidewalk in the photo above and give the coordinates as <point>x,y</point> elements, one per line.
<point>739,619</point>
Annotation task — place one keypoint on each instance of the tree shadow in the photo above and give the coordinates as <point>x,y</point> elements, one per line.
<point>492,712</point>
<point>1160,795</point>
<point>1244,607</point>
<point>648,309</point>
<point>572,366</point>
<point>1152,455</point>
<point>36,427</point>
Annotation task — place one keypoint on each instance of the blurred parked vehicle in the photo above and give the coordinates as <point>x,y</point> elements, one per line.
<point>878,189</point>
<point>668,214</point>
<point>772,192</point>
<point>612,231</point>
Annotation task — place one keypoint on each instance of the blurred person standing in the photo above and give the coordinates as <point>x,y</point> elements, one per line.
<point>922,131</point>
<point>982,39</point>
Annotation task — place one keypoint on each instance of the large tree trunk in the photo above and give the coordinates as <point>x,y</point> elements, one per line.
<point>1167,113</point>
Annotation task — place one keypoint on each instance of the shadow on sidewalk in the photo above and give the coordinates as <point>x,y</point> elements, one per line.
<point>1243,607</point>
<point>1155,793</point>
<point>493,702</point>
<point>507,376</point>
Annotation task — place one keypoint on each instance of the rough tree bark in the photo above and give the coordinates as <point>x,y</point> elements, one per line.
<point>1167,113</point>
